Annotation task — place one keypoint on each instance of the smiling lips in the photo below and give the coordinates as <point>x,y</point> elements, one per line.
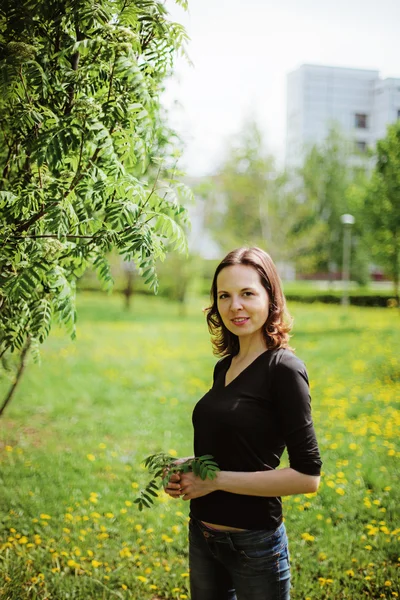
<point>240,320</point>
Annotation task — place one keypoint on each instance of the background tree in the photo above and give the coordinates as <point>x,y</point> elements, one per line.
<point>82,132</point>
<point>329,184</point>
<point>246,199</point>
<point>382,205</point>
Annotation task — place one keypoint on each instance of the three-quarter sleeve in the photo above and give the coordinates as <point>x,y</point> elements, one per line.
<point>292,402</point>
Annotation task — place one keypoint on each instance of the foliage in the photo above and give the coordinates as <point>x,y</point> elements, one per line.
<point>332,182</point>
<point>162,466</point>
<point>382,205</point>
<point>245,201</point>
<point>130,382</point>
<point>86,159</point>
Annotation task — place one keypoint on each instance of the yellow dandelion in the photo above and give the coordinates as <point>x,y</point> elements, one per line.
<point>141,578</point>
<point>96,564</point>
<point>71,563</point>
<point>307,537</point>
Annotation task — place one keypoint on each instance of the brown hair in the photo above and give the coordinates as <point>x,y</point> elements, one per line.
<point>279,322</point>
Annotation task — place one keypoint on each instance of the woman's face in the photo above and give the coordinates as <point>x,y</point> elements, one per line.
<point>242,300</point>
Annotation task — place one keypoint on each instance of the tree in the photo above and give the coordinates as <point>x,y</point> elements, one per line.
<point>246,200</point>
<point>382,205</point>
<point>86,159</point>
<point>331,182</point>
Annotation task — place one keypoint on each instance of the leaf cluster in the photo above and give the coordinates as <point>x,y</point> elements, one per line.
<point>161,466</point>
<point>382,205</point>
<point>87,163</point>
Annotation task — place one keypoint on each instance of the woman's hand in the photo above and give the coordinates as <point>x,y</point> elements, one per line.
<point>193,486</point>
<point>173,487</point>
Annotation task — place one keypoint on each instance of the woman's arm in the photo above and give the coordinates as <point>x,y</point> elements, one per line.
<point>282,482</point>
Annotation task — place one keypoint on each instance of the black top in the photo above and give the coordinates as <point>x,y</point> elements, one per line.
<point>246,426</point>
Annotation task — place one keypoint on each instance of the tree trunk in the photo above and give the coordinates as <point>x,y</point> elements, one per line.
<point>18,376</point>
<point>128,291</point>
<point>396,267</point>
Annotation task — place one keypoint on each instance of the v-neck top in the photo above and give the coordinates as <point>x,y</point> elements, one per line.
<point>246,425</point>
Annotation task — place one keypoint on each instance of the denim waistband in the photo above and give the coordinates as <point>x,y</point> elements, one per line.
<point>247,534</point>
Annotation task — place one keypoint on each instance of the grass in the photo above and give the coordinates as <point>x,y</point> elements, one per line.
<point>73,439</point>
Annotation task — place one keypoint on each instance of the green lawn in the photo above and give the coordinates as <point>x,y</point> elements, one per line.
<point>74,436</point>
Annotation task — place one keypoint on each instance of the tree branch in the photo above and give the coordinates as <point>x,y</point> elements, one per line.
<point>7,165</point>
<point>18,376</point>
<point>56,237</point>
<point>74,64</point>
<point>25,226</point>
<point>111,78</point>
<point>24,85</point>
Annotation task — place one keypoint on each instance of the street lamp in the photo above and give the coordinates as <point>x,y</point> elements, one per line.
<point>347,221</point>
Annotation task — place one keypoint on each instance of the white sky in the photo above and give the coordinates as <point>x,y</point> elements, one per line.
<point>242,51</point>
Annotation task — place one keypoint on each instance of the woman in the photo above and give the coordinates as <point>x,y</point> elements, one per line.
<point>258,405</point>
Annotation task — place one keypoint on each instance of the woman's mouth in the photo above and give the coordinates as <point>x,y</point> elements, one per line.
<point>240,320</point>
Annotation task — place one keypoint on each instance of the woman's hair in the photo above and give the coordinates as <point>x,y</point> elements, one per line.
<point>279,322</point>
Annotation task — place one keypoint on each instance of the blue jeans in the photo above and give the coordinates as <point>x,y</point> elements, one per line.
<point>243,565</point>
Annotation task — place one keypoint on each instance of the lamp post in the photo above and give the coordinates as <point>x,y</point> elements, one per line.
<point>347,221</point>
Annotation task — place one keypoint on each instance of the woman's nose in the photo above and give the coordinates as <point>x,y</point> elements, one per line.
<point>236,303</point>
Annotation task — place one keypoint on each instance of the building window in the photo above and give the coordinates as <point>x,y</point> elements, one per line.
<point>360,121</point>
<point>360,146</point>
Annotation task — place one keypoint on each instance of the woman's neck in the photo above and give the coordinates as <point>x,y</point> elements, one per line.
<point>251,348</point>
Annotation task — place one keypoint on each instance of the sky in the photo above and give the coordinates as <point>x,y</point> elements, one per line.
<point>242,51</point>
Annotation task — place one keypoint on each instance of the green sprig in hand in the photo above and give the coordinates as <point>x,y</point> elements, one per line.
<point>161,466</point>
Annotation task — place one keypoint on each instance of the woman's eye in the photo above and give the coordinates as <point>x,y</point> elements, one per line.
<point>248,293</point>
<point>223,296</point>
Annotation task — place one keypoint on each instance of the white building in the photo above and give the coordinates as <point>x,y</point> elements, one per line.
<point>357,100</point>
